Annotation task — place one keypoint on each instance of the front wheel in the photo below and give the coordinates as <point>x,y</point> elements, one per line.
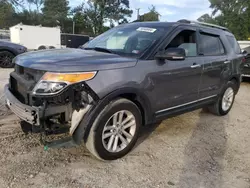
<point>225,101</point>
<point>115,130</point>
<point>6,58</point>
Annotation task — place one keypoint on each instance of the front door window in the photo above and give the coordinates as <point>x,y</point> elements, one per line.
<point>187,40</point>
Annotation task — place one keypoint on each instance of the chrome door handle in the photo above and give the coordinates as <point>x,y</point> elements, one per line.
<point>226,62</point>
<point>195,66</point>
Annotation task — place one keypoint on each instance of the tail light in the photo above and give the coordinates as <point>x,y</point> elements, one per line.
<point>244,60</point>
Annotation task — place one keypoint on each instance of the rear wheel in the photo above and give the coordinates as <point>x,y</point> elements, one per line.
<point>115,130</point>
<point>225,101</point>
<point>6,58</point>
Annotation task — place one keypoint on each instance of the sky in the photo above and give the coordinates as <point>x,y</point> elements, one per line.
<point>170,10</point>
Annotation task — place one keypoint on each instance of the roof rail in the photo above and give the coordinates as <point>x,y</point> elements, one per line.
<point>203,23</point>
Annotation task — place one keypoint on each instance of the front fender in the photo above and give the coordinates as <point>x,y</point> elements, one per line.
<point>82,131</point>
<point>14,51</point>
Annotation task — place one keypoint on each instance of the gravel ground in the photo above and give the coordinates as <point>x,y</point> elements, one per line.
<point>194,150</point>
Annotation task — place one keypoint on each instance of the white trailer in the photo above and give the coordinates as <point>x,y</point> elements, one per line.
<point>36,37</point>
<point>245,45</point>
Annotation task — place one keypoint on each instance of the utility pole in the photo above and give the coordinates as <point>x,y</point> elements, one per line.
<point>138,13</point>
<point>73,27</point>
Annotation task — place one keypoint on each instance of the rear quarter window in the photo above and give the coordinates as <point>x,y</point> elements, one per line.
<point>234,44</point>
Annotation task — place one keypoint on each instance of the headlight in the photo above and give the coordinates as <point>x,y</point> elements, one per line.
<point>52,83</point>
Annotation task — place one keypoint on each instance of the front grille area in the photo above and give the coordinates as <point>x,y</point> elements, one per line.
<point>22,81</point>
<point>14,89</point>
<point>28,73</point>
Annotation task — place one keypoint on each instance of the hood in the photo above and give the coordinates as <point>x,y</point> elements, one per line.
<point>73,60</point>
<point>10,44</point>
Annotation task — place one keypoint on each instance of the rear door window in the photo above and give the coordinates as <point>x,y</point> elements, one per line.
<point>234,44</point>
<point>211,45</point>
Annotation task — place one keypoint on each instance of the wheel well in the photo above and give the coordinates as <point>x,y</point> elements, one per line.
<point>134,98</point>
<point>7,50</point>
<point>42,47</point>
<point>236,81</point>
<point>84,127</point>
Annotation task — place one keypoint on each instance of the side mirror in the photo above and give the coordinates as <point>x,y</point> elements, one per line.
<point>172,54</point>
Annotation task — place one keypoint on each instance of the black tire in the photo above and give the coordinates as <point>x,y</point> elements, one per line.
<point>26,127</point>
<point>94,141</point>
<point>217,108</point>
<point>51,47</point>
<point>29,128</point>
<point>6,58</point>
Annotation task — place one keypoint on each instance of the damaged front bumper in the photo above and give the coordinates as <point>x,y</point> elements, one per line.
<point>27,113</point>
<point>48,118</point>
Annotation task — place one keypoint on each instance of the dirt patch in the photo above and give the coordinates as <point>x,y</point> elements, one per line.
<point>196,149</point>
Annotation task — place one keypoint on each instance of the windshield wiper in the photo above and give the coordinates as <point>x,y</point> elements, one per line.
<point>99,49</point>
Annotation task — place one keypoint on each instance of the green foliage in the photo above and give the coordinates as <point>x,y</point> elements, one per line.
<point>207,18</point>
<point>95,13</point>
<point>37,3</point>
<point>29,17</point>
<point>233,14</point>
<point>117,11</point>
<point>55,12</point>
<point>152,15</point>
<point>89,17</point>
<point>6,14</point>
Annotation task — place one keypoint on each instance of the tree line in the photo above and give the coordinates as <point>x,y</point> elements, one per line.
<point>88,18</point>
<point>233,14</point>
<point>91,17</point>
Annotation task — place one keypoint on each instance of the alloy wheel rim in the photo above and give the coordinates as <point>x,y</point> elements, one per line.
<point>227,99</point>
<point>5,59</point>
<point>119,131</point>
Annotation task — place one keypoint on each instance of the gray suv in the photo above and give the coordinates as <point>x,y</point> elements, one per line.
<point>128,77</point>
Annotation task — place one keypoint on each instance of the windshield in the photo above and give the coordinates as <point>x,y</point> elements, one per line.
<point>127,41</point>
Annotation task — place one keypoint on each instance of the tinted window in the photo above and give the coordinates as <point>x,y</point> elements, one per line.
<point>234,44</point>
<point>211,45</point>
<point>186,40</point>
